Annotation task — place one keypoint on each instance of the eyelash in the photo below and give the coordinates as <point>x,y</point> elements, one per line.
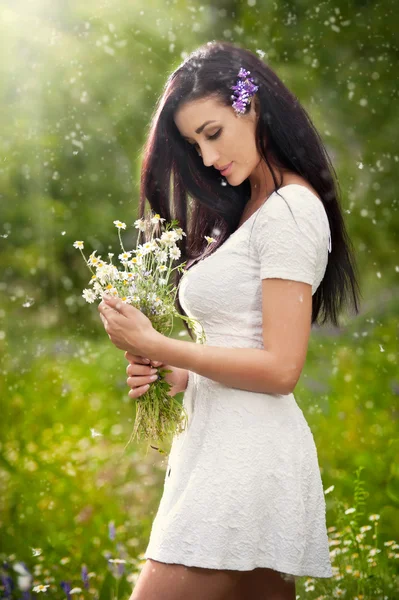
<point>211,137</point>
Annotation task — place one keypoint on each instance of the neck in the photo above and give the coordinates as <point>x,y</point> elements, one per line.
<point>262,183</point>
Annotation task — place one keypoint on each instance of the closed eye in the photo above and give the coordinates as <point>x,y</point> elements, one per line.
<point>211,137</point>
<point>215,135</point>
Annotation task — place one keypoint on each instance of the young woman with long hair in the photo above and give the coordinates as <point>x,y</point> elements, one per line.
<point>235,158</point>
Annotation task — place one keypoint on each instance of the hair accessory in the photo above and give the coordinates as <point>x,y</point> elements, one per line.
<point>244,89</point>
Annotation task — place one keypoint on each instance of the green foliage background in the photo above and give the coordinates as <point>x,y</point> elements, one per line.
<point>79,83</point>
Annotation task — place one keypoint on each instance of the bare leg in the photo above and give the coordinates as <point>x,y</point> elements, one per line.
<point>161,581</point>
<point>263,584</point>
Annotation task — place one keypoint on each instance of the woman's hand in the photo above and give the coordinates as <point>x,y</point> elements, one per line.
<point>140,370</point>
<point>127,327</point>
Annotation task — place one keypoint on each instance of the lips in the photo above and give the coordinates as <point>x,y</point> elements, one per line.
<point>224,168</point>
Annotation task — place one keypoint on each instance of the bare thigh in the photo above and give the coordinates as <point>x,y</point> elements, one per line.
<point>263,584</point>
<point>161,581</point>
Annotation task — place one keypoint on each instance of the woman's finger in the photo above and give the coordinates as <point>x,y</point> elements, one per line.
<point>133,358</point>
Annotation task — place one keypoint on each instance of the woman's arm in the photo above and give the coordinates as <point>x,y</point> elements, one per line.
<point>243,368</point>
<point>274,369</point>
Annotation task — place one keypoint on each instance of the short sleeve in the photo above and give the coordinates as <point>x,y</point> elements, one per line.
<point>292,237</point>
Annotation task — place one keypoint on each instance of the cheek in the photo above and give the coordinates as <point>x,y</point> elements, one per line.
<point>245,152</point>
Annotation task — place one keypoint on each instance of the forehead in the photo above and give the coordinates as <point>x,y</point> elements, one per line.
<point>193,114</point>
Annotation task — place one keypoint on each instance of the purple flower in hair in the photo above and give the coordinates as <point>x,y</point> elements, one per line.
<point>244,89</point>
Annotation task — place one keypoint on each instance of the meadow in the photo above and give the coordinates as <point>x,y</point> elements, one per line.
<point>78,88</point>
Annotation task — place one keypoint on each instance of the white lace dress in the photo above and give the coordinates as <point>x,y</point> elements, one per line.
<point>243,487</point>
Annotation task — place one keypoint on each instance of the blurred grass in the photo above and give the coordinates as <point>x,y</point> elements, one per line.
<point>64,486</point>
<point>79,84</point>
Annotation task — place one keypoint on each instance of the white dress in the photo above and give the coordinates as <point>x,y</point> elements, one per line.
<point>243,487</point>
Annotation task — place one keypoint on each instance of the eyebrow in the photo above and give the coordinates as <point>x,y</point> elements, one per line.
<point>199,130</point>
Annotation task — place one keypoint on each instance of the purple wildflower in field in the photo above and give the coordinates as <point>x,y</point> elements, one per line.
<point>66,586</point>
<point>85,576</point>
<point>8,585</point>
<point>111,530</point>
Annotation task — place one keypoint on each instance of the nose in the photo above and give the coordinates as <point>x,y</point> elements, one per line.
<point>210,156</point>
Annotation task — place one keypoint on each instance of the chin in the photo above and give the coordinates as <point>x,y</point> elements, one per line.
<point>235,180</point>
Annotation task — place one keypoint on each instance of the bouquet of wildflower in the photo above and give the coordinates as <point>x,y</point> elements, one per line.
<point>143,282</point>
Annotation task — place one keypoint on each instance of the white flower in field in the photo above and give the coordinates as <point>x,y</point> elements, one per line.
<point>36,551</point>
<point>41,588</point>
<point>374,551</point>
<point>119,224</point>
<point>169,237</point>
<point>89,296</point>
<point>174,253</point>
<point>209,239</point>
<point>117,561</point>
<point>162,268</point>
<point>374,517</point>
<point>75,590</point>
<point>110,254</point>
<point>162,281</point>
<point>365,528</point>
<point>94,433</point>
<point>389,543</point>
<point>156,219</point>
<point>20,569</point>
<point>328,490</point>
<point>79,245</point>
<point>24,579</point>
<point>124,256</point>
<point>139,224</point>
<point>350,511</point>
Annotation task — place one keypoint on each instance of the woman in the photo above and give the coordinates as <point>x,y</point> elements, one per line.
<point>243,511</point>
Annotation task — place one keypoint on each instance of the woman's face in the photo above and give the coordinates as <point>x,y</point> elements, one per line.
<point>221,136</point>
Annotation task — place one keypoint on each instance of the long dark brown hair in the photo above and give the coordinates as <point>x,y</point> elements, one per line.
<point>179,186</point>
